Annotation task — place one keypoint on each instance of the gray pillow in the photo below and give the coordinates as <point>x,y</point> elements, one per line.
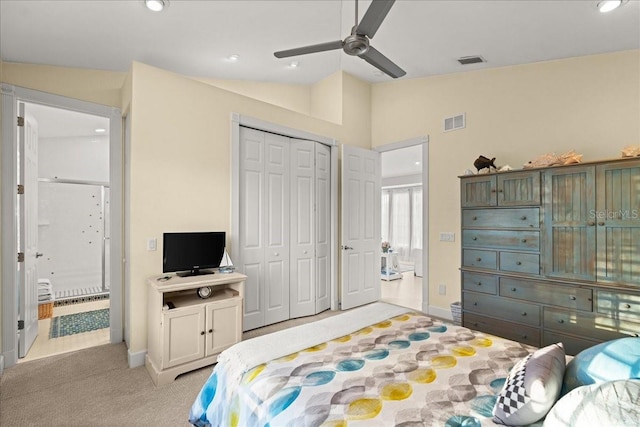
<point>532,387</point>
<point>613,403</point>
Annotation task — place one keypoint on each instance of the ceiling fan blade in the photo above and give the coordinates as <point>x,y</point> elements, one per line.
<point>309,49</point>
<point>373,17</point>
<point>381,62</point>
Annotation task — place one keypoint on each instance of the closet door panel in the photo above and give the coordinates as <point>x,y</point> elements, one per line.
<point>323,227</point>
<point>302,297</point>
<point>276,225</point>
<point>252,224</point>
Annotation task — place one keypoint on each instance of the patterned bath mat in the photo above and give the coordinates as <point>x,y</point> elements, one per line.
<point>79,322</point>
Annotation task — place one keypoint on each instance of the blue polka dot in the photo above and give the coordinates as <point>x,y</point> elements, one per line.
<point>209,390</point>
<point>497,384</point>
<point>462,421</point>
<point>350,365</point>
<point>440,328</point>
<point>419,336</point>
<point>377,354</point>
<point>318,378</point>
<point>284,398</point>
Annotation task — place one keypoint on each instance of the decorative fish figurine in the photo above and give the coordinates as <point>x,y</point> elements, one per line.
<point>483,162</point>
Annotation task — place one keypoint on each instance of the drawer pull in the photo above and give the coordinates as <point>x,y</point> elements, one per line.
<point>474,238</point>
<point>479,283</point>
<point>475,303</point>
<point>474,218</point>
<point>523,217</point>
<point>560,320</point>
<point>601,223</point>
<point>518,263</point>
<point>514,289</point>
<point>479,259</point>
<point>524,313</point>
<point>524,336</point>
<point>524,240</point>
<point>626,306</point>
<point>475,324</point>
<point>572,297</point>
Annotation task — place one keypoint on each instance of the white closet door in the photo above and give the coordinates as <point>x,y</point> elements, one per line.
<point>276,225</point>
<point>303,292</point>
<point>323,227</point>
<point>252,230</point>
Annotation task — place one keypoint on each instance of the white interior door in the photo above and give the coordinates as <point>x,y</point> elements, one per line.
<point>28,231</point>
<point>360,227</point>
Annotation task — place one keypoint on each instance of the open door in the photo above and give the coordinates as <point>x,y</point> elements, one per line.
<point>360,227</point>
<point>28,231</point>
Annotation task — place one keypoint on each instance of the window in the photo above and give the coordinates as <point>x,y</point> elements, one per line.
<point>402,220</point>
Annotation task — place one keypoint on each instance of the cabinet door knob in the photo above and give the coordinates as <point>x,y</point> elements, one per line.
<point>493,190</point>
<point>304,252</point>
<point>201,332</point>
<point>572,297</point>
<point>474,218</point>
<point>591,223</point>
<point>601,223</point>
<point>500,190</point>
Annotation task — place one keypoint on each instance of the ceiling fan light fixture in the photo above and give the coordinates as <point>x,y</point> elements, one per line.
<point>605,6</point>
<point>156,5</point>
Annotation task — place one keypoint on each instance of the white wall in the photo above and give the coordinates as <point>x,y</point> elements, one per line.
<point>77,158</point>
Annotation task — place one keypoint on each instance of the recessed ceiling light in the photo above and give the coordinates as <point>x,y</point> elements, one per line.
<point>609,5</point>
<point>294,64</point>
<point>417,163</point>
<point>101,130</point>
<point>233,58</point>
<point>156,5</point>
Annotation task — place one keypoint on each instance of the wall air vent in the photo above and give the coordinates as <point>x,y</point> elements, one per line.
<point>455,122</point>
<point>466,60</point>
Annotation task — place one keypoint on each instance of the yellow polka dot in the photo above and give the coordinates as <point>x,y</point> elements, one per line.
<point>482,342</point>
<point>397,391</point>
<point>384,324</point>
<point>443,362</point>
<point>233,419</point>
<point>463,351</point>
<point>343,339</point>
<point>363,409</point>
<point>253,373</point>
<point>287,358</point>
<point>402,318</point>
<point>334,423</point>
<point>364,331</point>
<point>317,347</point>
<point>423,376</point>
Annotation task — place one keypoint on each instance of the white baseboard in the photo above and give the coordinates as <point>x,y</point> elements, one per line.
<point>1,364</point>
<point>440,312</point>
<point>136,359</point>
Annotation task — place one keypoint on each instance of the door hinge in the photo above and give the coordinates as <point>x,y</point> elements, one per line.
<point>20,256</point>
<point>20,189</point>
<point>20,325</point>
<point>20,121</point>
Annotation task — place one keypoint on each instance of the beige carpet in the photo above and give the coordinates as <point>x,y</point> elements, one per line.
<point>94,387</point>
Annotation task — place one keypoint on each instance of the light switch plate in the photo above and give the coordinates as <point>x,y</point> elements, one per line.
<point>447,236</point>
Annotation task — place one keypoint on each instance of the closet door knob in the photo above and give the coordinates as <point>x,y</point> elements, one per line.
<point>201,332</point>
<point>210,331</point>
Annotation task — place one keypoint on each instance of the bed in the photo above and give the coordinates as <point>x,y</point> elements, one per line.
<point>378,365</point>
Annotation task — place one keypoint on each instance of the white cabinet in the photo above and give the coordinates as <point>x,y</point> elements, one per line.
<point>187,332</point>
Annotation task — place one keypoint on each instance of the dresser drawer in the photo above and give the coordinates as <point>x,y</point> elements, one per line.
<point>479,282</point>
<point>501,307</point>
<point>501,218</point>
<point>618,304</point>
<point>572,345</point>
<point>512,331</point>
<point>480,259</point>
<point>585,325</point>
<point>502,239</point>
<point>547,293</point>
<point>520,262</point>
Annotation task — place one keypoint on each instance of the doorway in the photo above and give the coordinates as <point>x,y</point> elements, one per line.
<point>64,178</point>
<point>404,223</point>
<point>73,209</point>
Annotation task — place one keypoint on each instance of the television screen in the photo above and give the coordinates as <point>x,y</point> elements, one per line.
<point>192,253</point>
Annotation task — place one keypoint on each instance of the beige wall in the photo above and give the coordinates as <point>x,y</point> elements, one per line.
<point>180,162</point>
<point>589,104</point>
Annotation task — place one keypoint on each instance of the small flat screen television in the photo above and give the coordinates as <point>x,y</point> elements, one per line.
<point>192,253</point>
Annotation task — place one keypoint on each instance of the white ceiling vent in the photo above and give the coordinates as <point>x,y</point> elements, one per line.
<point>455,122</point>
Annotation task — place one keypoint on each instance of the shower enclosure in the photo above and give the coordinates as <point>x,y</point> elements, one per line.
<point>73,237</point>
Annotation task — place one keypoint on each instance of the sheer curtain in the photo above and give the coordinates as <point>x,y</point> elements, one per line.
<point>402,220</point>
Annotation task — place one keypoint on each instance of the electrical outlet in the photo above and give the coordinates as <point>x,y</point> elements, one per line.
<point>442,289</point>
<point>152,244</point>
<point>447,236</point>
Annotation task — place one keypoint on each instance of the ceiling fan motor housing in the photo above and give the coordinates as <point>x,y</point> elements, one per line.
<point>356,44</point>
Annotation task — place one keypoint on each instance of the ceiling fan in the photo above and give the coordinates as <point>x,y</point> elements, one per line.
<point>357,43</point>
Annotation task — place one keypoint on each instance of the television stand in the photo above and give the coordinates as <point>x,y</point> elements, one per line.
<point>191,334</point>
